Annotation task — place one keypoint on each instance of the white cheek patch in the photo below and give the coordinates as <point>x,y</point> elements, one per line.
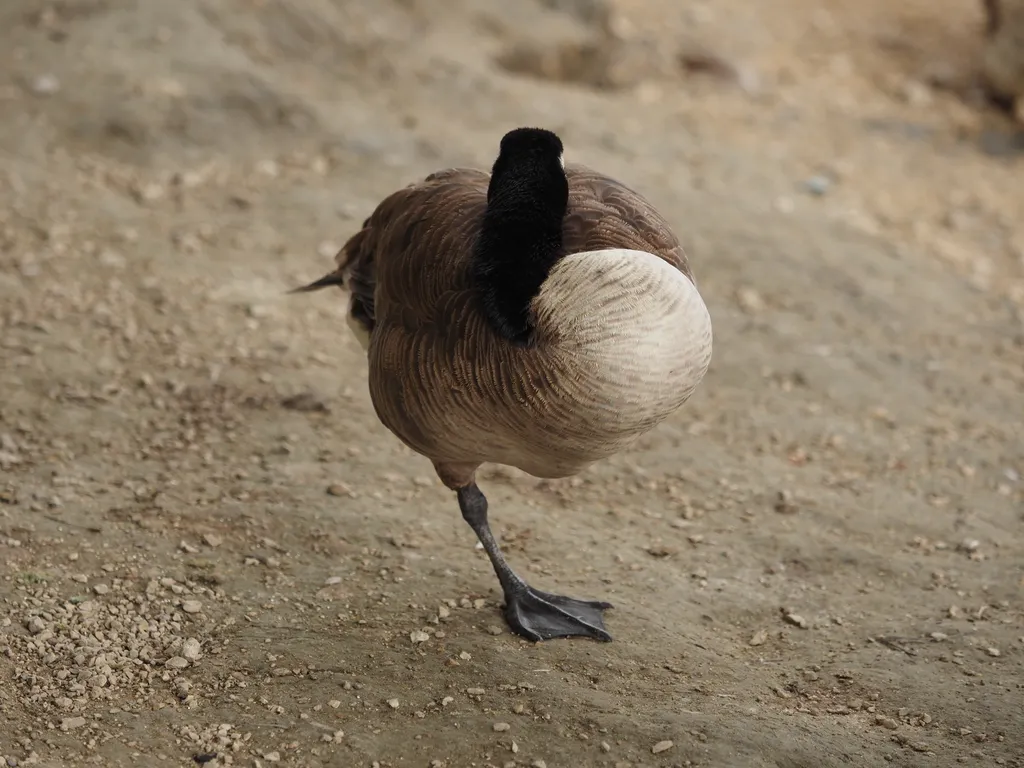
<point>561,161</point>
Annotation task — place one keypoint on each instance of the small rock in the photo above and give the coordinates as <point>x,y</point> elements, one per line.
<point>212,540</point>
<point>606,747</point>
<point>332,580</point>
<point>191,649</point>
<point>418,636</point>
<point>887,722</point>
<point>994,652</point>
<point>176,662</point>
<point>662,746</point>
<point>494,629</point>
<point>334,703</point>
<point>70,723</point>
<point>394,703</point>
<point>338,489</point>
<point>45,85</point>
<point>112,259</point>
<point>101,589</point>
<point>794,618</point>
<point>784,503</point>
<point>749,300</point>
<point>35,625</point>
<point>759,637</point>
<point>818,185</point>
<point>917,94</point>
<point>475,691</point>
<point>499,727</point>
<point>191,606</point>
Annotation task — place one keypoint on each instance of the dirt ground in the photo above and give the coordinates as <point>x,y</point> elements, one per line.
<point>212,552</point>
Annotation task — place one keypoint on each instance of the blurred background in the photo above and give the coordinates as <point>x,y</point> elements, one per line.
<point>214,554</point>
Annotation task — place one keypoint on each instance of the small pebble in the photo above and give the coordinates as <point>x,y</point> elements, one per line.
<point>818,185</point>
<point>759,637</point>
<point>191,606</point>
<point>499,727</point>
<point>101,589</point>
<point>70,723</point>
<point>394,703</point>
<point>418,636</point>
<point>784,503</point>
<point>45,85</point>
<point>332,580</point>
<point>662,746</point>
<point>795,619</point>
<point>191,649</point>
<point>35,625</point>
<point>887,722</point>
<point>994,652</point>
<point>212,540</point>
<point>176,662</point>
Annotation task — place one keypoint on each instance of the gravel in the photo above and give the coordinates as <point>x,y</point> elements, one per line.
<point>70,651</point>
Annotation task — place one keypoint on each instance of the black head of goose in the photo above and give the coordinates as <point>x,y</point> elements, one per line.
<point>542,316</point>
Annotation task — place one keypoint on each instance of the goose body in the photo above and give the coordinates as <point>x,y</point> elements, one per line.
<point>542,316</point>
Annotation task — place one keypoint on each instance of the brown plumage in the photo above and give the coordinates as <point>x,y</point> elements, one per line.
<point>451,386</point>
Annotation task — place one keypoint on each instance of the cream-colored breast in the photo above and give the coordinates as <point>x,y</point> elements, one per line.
<point>630,336</point>
<point>623,340</point>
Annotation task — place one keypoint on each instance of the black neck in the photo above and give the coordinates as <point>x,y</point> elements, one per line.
<point>520,241</point>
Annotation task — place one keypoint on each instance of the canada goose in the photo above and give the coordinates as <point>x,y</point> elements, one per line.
<point>1002,61</point>
<point>542,316</point>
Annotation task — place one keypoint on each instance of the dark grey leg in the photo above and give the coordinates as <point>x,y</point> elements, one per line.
<point>529,612</point>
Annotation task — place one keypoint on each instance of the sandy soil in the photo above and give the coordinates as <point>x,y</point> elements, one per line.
<point>213,553</point>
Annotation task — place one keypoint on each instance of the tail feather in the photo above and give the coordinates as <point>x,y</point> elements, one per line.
<point>333,278</point>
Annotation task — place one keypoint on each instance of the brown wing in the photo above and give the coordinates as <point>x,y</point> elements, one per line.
<point>605,213</point>
<point>414,247</point>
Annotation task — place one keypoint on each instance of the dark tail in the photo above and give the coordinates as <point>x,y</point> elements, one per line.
<point>334,278</point>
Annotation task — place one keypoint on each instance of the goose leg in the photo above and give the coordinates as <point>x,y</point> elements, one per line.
<point>529,612</point>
